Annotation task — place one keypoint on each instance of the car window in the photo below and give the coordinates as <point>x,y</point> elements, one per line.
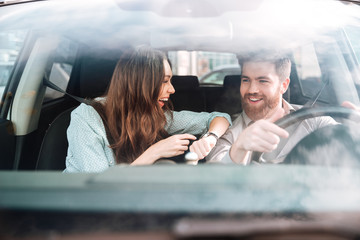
<point>77,46</point>
<point>308,71</point>
<point>214,78</point>
<point>209,67</point>
<point>11,43</point>
<point>319,67</point>
<point>61,68</point>
<point>353,34</point>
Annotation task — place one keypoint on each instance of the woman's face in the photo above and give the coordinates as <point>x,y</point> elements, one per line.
<point>166,88</point>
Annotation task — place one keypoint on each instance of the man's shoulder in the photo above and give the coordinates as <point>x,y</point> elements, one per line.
<point>237,126</point>
<point>238,120</point>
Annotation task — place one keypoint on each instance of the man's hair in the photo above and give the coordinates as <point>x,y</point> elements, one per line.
<point>282,62</point>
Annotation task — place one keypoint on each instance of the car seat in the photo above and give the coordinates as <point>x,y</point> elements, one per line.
<point>230,100</point>
<point>54,146</point>
<point>90,80</point>
<point>188,95</point>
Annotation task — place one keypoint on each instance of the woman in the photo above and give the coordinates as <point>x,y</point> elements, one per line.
<point>134,124</point>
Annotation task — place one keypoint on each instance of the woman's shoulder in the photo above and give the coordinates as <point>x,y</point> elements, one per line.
<point>87,115</point>
<point>85,110</point>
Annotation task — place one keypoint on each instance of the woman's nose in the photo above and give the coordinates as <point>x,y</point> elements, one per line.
<point>171,89</point>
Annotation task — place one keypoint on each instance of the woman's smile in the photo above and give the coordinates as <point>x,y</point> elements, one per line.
<point>162,101</point>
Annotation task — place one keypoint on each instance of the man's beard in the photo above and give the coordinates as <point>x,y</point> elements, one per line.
<point>259,112</point>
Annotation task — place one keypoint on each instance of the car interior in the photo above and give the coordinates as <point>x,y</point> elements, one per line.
<point>82,67</point>
<point>90,75</point>
<point>64,54</point>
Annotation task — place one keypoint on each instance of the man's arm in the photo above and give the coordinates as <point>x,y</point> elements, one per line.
<point>222,147</point>
<point>262,136</point>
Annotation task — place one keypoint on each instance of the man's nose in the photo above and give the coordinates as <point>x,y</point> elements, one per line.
<point>253,88</point>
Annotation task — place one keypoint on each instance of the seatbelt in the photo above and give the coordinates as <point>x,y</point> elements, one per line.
<point>53,86</point>
<point>89,102</point>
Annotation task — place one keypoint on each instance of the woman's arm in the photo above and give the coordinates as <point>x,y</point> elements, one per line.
<point>192,122</point>
<point>203,146</point>
<point>178,144</point>
<point>219,125</point>
<point>198,124</point>
<point>168,147</point>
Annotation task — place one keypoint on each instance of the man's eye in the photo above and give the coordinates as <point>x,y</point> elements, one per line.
<point>244,80</point>
<point>263,81</point>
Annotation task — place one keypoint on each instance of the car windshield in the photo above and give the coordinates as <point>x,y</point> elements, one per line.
<point>58,56</point>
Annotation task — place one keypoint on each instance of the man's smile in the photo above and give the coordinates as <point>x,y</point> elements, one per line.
<point>252,99</point>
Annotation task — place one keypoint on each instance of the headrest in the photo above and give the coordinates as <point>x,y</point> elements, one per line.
<point>232,81</point>
<point>95,76</point>
<point>185,82</point>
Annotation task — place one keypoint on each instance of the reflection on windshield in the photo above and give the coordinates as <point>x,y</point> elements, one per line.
<point>286,28</point>
<point>198,45</point>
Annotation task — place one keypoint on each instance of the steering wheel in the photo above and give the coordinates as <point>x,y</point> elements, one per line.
<point>305,113</point>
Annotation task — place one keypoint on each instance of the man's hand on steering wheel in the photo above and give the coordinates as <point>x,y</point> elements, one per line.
<point>346,112</point>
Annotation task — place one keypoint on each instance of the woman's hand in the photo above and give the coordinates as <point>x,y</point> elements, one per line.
<point>168,147</point>
<point>203,146</point>
<point>173,146</point>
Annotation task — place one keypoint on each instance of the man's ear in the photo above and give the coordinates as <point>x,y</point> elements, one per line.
<point>284,85</point>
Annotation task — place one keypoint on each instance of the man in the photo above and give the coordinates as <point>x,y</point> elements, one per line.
<point>263,82</point>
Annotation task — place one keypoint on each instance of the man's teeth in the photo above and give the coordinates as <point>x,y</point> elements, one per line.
<point>254,99</point>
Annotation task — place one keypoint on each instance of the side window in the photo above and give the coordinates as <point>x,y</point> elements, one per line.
<point>11,43</point>
<point>61,68</point>
<point>309,73</point>
<point>353,34</point>
<point>209,67</point>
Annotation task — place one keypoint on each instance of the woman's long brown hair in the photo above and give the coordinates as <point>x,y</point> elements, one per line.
<point>131,111</point>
